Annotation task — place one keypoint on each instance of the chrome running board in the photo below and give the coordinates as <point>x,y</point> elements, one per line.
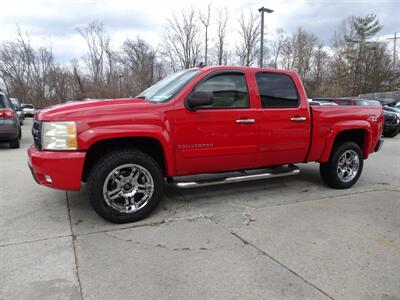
<point>202,180</point>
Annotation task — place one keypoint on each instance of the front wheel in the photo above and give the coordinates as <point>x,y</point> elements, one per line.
<point>344,166</point>
<point>125,186</point>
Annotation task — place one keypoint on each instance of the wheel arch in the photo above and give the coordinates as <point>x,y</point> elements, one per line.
<point>361,135</point>
<point>147,144</point>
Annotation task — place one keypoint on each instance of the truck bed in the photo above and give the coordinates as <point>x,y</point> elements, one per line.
<point>328,120</point>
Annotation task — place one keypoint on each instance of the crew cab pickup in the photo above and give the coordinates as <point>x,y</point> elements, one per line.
<point>197,127</point>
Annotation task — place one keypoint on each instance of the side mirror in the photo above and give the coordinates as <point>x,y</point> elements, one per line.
<point>196,99</point>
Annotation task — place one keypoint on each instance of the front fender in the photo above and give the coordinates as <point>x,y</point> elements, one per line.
<point>92,135</point>
<point>340,127</point>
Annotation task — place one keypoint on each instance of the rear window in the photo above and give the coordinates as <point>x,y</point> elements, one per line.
<point>27,105</point>
<point>277,90</point>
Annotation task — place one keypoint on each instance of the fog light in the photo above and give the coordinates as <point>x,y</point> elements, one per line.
<point>48,179</point>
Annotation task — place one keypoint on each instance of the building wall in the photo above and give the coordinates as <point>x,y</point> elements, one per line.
<point>395,95</point>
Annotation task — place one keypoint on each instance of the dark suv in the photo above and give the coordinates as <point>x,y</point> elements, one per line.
<point>10,127</point>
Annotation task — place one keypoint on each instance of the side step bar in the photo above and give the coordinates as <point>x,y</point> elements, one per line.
<point>232,177</point>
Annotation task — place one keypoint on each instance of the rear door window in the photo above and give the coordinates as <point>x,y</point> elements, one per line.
<point>277,90</point>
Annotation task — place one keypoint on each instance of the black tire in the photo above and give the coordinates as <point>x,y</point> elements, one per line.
<point>328,170</point>
<point>103,168</point>
<point>14,144</point>
<point>392,133</point>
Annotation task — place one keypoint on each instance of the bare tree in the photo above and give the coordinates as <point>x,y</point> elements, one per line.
<point>181,43</point>
<point>277,46</point>
<point>99,53</point>
<point>78,84</point>
<point>222,22</point>
<point>298,52</point>
<point>141,60</point>
<point>205,20</point>
<point>249,32</point>
<point>29,74</point>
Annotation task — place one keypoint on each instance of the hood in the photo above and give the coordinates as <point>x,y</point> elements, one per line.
<point>92,108</point>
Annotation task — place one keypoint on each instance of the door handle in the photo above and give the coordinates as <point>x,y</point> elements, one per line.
<point>298,119</point>
<point>245,121</point>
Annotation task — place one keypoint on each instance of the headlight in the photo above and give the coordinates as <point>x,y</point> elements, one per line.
<point>59,136</point>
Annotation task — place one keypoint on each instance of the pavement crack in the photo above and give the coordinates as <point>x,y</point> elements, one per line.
<point>262,252</point>
<point>152,224</point>
<point>36,240</point>
<point>325,197</point>
<point>73,245</point>
<point>162,246</point>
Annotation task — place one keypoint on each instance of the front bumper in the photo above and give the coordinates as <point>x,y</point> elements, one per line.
<point>390,127</point>
<point>57,169</point>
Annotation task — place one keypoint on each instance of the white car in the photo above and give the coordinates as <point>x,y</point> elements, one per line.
<point>28,110</point>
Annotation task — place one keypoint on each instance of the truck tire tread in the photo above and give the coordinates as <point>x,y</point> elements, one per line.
<point>107,163</point>
<point>328,170</point>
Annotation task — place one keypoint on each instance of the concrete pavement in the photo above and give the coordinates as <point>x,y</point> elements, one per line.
<point>286,238</point>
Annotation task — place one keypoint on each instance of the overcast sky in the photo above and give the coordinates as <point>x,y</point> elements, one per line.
<point>53,23</point>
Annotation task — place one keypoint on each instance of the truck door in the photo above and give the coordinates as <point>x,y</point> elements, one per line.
<point>284,120</point>
<point>219,137</point>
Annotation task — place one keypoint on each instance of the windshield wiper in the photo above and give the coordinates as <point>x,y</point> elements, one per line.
<point>142,97</point>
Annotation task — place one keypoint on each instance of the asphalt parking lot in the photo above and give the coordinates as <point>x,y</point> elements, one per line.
<point>283,238</point>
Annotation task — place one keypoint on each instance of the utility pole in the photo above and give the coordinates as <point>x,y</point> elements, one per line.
<point>262,10</point>
<point>394,49</point>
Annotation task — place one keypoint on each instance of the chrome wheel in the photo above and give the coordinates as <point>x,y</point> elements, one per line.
<point>348,166</point>
<point>128,188</point>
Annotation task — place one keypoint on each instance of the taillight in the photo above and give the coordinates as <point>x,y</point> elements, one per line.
<point>6,114</point>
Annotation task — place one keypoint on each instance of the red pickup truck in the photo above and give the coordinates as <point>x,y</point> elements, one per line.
<point>197,127</point>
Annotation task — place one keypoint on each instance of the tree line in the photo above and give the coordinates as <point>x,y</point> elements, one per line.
<point>356,61</point>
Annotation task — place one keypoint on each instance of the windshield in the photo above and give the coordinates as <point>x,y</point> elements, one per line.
<point>27,105</point>
<point>15,102</point>
<point>165,89</point>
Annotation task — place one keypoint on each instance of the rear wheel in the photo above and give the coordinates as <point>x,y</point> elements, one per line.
<point>125,186</point>
<point>344,166</point>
